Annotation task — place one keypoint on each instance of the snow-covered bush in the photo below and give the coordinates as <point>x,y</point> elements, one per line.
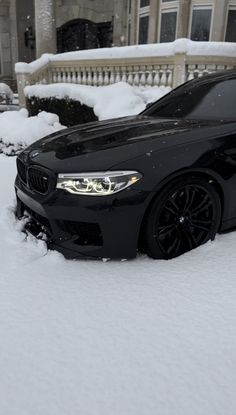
<point>6,94</point>
<point>18,130</point>
<point>113,101</point>
<point>70,112</point>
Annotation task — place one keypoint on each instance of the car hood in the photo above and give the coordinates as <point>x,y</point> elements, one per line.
<point>101,145</point>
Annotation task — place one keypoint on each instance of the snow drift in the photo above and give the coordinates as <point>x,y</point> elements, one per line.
<point>18,130</point>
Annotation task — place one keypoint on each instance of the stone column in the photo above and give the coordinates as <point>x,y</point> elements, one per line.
<point>219,20</point>
<point>183,19</point>
<point>120,23</point>
<point>134,22</point>
<point>45,27</point>
<point>153,21</point>
<point>5,39</point>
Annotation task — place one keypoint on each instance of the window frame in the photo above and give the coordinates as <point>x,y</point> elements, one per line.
<point>1,60</point>
<point>201,5</point>
<point>142,12</point>
<point>128,22</point>
<point>230,6</point>
<point>167,7</point>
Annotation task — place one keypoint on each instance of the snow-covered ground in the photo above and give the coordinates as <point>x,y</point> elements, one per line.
<point>139,337</point>
<point>135,337</point>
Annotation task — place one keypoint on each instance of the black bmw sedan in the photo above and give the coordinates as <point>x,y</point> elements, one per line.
<point>163,182</point>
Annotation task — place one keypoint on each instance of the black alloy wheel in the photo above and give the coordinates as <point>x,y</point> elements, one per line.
<point>184,216</point>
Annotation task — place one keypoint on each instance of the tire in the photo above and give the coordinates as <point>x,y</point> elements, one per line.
<point>185,215</point>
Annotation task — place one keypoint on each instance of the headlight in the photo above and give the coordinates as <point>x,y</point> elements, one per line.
<point>97,184</point>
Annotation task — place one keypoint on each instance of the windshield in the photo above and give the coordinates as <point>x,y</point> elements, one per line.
<point>200,101</point>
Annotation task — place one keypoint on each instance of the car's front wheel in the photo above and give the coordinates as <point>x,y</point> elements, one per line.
<point>185,215</point>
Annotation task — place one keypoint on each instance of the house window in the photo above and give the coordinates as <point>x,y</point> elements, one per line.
<point>231,27</point>
<point>143,29</point>
<point>144,3</point>
<point>143,21</point>
<point>129,6</point>
<point>201,23</point>
<point>168,26</point>
<point>128,36</point>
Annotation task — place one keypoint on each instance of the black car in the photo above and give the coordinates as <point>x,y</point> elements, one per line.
<point>163,182</point>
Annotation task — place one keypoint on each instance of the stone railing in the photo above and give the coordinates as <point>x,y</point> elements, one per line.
<point>144,71</point>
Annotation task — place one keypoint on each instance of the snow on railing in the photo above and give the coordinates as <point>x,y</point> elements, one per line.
<point>165,64</point>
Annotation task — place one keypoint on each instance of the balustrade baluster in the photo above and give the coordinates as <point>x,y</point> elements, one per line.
<point>164,75</point>
<point>54,76</point>
<point>79,78</point>
<point>89,78</point>
<point>84,76</point>
<point>64,76</point>
<point>170,76</point>
<point>156,81</point>
<point>95,77</point>
<point>59,75</point>
<point>117,77</point>
<point>130,78</point>
<point>112,76</point>
<point>143,75</point>
<point>69,77</point>
<point>149,76</point>
<point>124,74</point>
<point>190,75</point>
<point>100,77</point>
<point>73,79</point>
<point>106,77</point>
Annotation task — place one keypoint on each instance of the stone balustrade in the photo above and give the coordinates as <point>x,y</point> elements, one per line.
<point>153,71</point>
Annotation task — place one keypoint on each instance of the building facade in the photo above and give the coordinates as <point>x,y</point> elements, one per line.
<point>151,21</point>
<point>29,28</point>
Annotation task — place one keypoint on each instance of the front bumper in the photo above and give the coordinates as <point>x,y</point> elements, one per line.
<point>78,226</point>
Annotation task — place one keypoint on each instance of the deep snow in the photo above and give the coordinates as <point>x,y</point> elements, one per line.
<point>134,337</point>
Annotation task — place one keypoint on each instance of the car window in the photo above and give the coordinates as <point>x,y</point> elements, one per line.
<point>212,101</point>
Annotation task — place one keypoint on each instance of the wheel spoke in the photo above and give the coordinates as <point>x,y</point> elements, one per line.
<point>174,246</point>
<point>201,227</point>
<point>170,210</point>
<point>177,247</point>
<point>163,231</point>
<point>189,199</point>
<point>201,224</point>
<point>174,204</point>
<point>204,205</point>
<point>193,243</point>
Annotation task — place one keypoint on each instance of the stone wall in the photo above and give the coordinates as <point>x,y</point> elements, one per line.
<point>96,11</point>
<point>5,39</point>
<point>25,20</point>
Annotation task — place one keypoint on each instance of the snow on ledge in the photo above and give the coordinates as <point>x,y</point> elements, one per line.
<point>183,46</point>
